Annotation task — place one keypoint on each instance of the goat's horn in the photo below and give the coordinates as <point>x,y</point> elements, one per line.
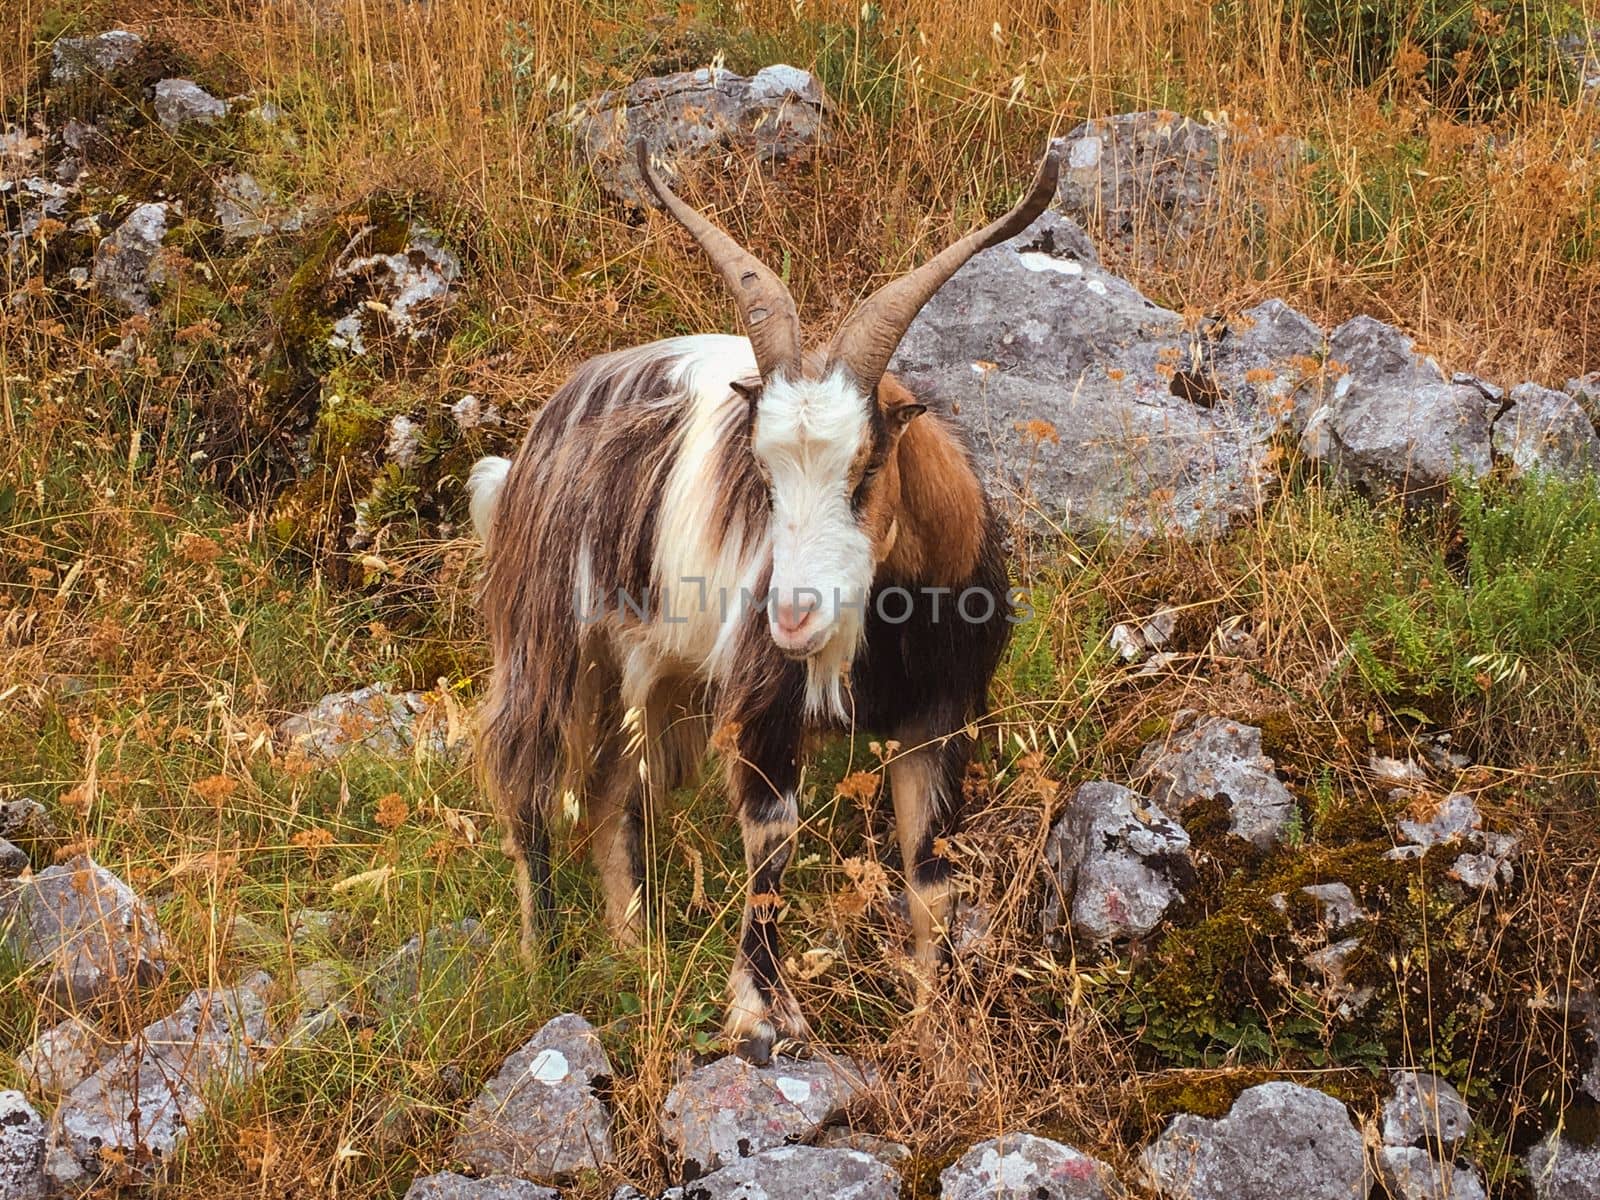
<point>770,319</point>
<point>867,340</point>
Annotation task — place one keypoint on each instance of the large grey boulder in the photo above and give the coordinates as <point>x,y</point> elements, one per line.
<point>1020,1166</point>
<point>22,1146</point>
<point>128,263</point>
<point>73,59</point>
<point>13,860</point>
<point>796,1173</point>
<point>132,1114</point>
<point>777,113</point>
<point>85,933</point>
<point>1279,1139</point>
<point>1424,1108</point>
<point>1546,431</point>
<point>180,102</point>
<point>1117,861</point>
<point>1216,758</point>
<point>1411,1173</point>
<point>1084,398</point>
<point>729,1109</point>
<point>1149,185</point>
<point>1563,1170</point>
<point>450,1186</point>
<point>541,1115</point>
<point>1391,421</point>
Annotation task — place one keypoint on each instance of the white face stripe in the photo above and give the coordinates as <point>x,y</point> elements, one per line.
<point>806,436</point>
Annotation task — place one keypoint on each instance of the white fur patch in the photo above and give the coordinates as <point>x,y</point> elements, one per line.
<point>484,485</point>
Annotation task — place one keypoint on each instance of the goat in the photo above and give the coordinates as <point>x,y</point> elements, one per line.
<point>657,560</point>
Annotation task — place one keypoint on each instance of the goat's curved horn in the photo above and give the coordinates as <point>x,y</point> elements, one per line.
<point>867,340</point>
<point>770,319</point>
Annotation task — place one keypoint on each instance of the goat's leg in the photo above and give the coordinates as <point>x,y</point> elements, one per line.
<point>925,782</point>
<point>527,843</point>
<point>616,818</point>
<point>762,780</point>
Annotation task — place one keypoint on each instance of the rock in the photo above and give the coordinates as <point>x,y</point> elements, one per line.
<point>1458,821</point>
<point>131,1115</point>
<point>1218,759</point>
<point>128,263</point>
<point>891,1153</point>
<point>1412,1174</point>
<point>1134,641</point>
<point>542,1115</point>
<point>314,926</point>
<point>323,999</point>
<point>776,114</point>
<point>1546,431</point>
<point>1082,397</point>
<point>63,1056</point>
<point>445,953</point>
<point>25,818</point>
<point>1148,183</point>
<point>22,1143</point>
<point>13,860</point>
<point>1339,907</point>
<point>1392,422</point>
<point>400,293</point>
<point>450,1186</point>
<point>1279,1140</point>
<point>1424,1107</point>
<point>1456,817</point>
<point>371,718</point>
<point>181,102</point>
<point>471,413</point>
<point>796,1173</point>
<point>1332,962</point>
<point>1118,862</point>
<point>729,1110</point>
<point>245,210</point>
<point>1023,1167</point>
<point>86,933</point>
<point>404,441</point>
<point>1585,389</point>
<point>1563,1170</point>
<point>73,59</point>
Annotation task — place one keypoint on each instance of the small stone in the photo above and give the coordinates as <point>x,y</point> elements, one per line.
<point>137,1108</point>
<point>450,1186</point>
<point>245,210</point>
<point>1133,641</point>
<point>63,1056</point>
<point>401,291</point>
<point>796,1173</point>
<point>729,1109</point>
<point>1339,907</point>
<point>13,860</point>
<point>1218,758</point>
<point>1563,1170</point>
<point>542,1115</point>
<point>128,262</point>
<point>1456,816</point>
<point>73,59</point>
<point>181,102</point>
<point>1023,1167</point>
<point>323,998</point>
<point>1424,1107</point>
<point>444,954</point>
<point>371,718</point>
<point>1411,1173</point>
<point>1117,863</point>
<point>404,441</point>
<point>1279,1140</point>
<point>471,413</point>
<point>87,932</point>
<point>22,1149</point>
<point>24,817</point>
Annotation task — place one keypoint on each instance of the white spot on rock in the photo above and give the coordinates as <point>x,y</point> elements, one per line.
<point>549,1066</point>
<point>795,1091</point>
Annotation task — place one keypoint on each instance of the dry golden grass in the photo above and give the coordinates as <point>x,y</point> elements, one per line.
<point>152,630</point>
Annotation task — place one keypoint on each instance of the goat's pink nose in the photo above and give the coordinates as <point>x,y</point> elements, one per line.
<point>794,613</point>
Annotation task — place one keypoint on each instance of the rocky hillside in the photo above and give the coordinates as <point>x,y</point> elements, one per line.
<point>1281,872</point>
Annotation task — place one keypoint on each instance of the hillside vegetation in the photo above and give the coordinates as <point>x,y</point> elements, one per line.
<point>203,530</point>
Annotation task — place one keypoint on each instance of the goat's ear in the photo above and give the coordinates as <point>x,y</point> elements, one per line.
<point>897,405</point>
<point>750,389</point>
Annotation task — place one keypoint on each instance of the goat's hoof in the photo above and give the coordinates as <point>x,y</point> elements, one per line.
<point>755,1048</point>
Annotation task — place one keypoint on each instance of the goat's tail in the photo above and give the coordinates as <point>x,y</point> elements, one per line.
<point>484,485</point>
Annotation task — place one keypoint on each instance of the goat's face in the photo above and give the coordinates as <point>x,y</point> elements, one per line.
<point>826,453</point>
